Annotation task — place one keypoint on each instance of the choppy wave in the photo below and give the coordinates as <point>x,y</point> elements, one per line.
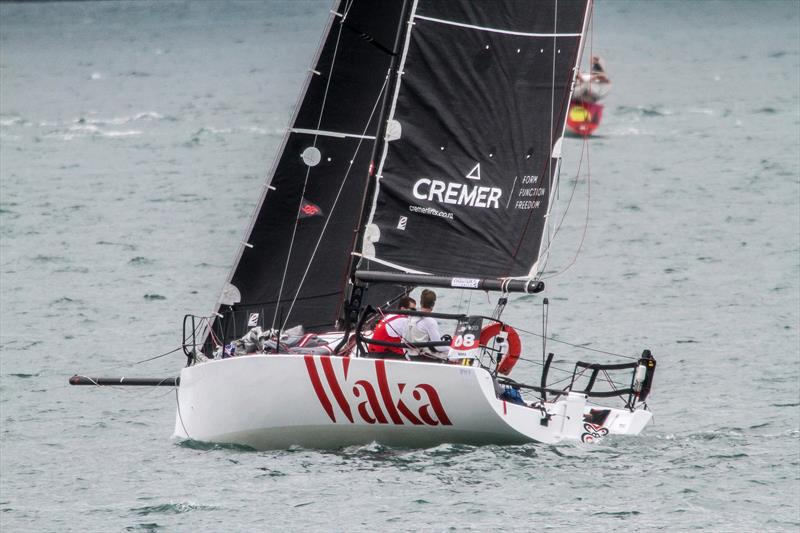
<point>123,245</point>
<point>172,508</point>
<point>13,121</point>
<point>90,130</point>
<point>642,111</point>
<point>154,296</point>
<point>207,446</point>
<point>211,130</point>
<point>127,119</point>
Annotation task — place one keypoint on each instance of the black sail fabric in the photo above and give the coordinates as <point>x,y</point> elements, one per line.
<point>481,102</point>
<point>293,268</point>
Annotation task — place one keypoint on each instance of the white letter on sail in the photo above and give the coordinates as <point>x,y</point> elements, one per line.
<point>418,194</point>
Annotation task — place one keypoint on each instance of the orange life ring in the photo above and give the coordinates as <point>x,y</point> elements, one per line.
<point>514,345</point>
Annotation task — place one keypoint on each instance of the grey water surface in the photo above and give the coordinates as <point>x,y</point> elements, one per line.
<point>134,139</point>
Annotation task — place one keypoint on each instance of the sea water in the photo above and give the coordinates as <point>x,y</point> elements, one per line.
<point>134,139</point>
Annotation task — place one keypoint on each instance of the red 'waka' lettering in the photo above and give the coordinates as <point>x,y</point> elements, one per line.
<point>404,409</point>
<point>383,385</point>
<point>327,366</point>
<point>317,384</point>
<point>431,413</point>
<point>372,401</point>
<point>435,404</point>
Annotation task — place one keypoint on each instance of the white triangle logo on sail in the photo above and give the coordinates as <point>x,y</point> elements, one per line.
<point>475,173</point>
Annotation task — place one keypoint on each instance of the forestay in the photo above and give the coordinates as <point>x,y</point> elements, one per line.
<point>465,180</point>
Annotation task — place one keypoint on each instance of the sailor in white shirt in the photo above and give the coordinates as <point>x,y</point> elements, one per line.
<point>425,328</point>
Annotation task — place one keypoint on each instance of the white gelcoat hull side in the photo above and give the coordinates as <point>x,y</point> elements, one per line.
<point>271,402</point>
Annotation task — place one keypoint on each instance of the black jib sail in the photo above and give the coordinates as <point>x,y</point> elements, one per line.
<point>294,264</point>
<point>466,177</point>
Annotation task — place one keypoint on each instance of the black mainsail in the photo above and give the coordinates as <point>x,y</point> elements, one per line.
<point>426,141</point>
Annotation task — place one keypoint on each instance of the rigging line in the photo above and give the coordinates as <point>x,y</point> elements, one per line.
<point>584,149</point>
<point>611,381</point>
<point>566,371</point>
<point>554,383</point>
<point>180,417</point>
<point>585,223</point>
<point>115,367</point>
<point>157,356</point>
<point>335,202</point>
<point>579,346</point>
<point>305,181</point>
<point>546,237</point>
<point>348,6</point>
<point>550,236</point>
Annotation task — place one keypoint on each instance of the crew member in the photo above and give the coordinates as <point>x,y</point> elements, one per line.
<point>425,328</point>
<point>391,328</point>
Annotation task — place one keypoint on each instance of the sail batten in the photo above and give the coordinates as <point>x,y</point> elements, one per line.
<point>495,30</point>
<point>337,134</point>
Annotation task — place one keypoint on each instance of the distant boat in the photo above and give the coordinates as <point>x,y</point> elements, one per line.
<point>420,155</point>
<point>585,113</point>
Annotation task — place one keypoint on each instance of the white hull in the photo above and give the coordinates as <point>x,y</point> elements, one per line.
<point>276,401</point>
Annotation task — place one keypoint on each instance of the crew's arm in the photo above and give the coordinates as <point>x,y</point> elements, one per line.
<point>432,327</point>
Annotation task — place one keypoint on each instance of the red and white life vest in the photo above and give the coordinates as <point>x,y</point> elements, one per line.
<point>382,333</point>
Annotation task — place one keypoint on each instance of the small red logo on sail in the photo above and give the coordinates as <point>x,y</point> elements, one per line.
<point>374,403</point>
<point>308,209</point>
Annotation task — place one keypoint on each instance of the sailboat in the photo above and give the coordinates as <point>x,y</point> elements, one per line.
<point>424,152</point>
<point>585,109</point>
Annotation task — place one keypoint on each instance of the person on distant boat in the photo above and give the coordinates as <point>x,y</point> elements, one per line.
<point>424,328</point>
<point>592,86</point>
<point>392,327</point>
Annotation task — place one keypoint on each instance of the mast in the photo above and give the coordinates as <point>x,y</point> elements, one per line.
<point>393,75</point>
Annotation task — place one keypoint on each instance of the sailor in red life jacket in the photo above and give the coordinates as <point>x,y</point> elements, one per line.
<point>391,328</point>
